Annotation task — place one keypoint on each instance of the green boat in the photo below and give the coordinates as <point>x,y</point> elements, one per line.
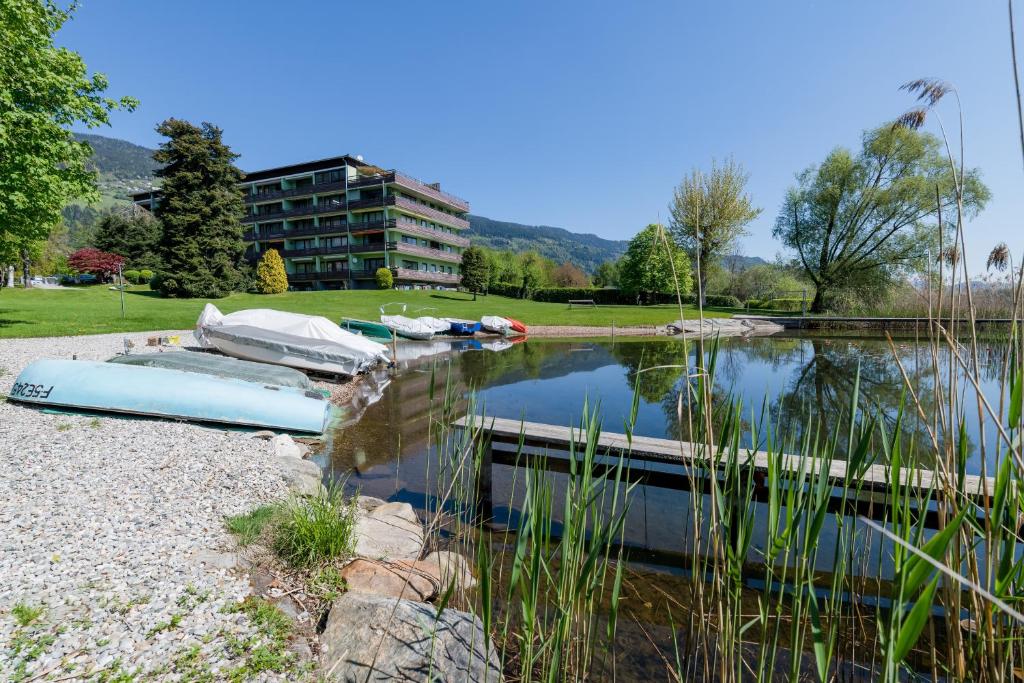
<point>367,328</point>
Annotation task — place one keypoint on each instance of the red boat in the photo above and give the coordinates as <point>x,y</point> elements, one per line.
<point>517,326</point>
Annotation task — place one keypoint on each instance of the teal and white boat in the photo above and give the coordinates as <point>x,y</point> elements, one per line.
<point>175,394</point>
<point>367,328</point>
<point>220,366</point>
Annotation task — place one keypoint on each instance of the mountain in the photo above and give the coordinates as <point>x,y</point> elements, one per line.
<point>558,244</point>
<point>124,167</point>
<point>736,262</point>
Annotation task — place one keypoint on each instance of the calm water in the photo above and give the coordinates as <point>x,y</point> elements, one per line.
<point>794,379</point>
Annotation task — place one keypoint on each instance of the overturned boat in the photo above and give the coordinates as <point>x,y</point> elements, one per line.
<point>175,394</point>
<point>219,366</point>
<point>306,342</point>
<point>367,328</point>
<point>409,328</point>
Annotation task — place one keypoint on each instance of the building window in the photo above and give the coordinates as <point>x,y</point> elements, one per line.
<point>303,244</point>
<point>302,224</point>
<point>305,267</point>
<point>372,264</point>
<point>331,200</point>
<point>335,242</point>
<point>334,176</point>
<point>433,267</point>
<point>302,203</point>
<point>336,266</point>
<point>332,222</point>
<point>268,228</point>
<point>303,182</point>
<point>264,209</point>
<point>263,190</point>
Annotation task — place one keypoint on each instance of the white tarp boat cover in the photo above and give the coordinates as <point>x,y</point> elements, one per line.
<point>407,327</point>
<point>311,328</point>
<point>438,325</point>
<point>493,323</point>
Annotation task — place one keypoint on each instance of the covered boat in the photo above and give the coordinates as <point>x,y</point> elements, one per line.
<point>367,328</point>
<point>462,328</point>
<point>495,324</point>
<point>517,326</point>
<point>408,327</point>
<point>159,392</point>
<point>438,325</point>
<point>300,341</point>
<point>219,366</point>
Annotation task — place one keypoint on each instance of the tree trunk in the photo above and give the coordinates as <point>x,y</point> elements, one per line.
<point>703,285</point>
<point>818,305</point>
<point>10,276</point>
<point>26,268</point>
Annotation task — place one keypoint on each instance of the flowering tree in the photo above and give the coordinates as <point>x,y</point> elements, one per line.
<point>99,263</point>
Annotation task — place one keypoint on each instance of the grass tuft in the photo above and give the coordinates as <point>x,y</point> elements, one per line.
<point>26,615</point>
<point>311,531</point>
<point>250,526</point>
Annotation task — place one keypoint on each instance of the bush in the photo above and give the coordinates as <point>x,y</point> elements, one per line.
<point>270,274</point>
<point>145,276</point>
<point>385,280</point>
<point>788,304</point>
<point>131,276</point>
<point>721,301</point>
<point>506,289</point>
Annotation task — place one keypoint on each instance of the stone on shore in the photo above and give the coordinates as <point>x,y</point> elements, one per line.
<point>725,327</point>
<point>413,580</point>
<point>391,531</point>
<point>452,566</point>
<point>302,476</point>
<point>372,638</point>
<point>285,446</point>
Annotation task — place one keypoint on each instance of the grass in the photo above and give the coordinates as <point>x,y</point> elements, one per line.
<point>248,527</point>
<point>97,309</point>
<point>25,615</point>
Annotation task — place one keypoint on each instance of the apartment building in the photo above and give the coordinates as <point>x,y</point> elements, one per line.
<point>337,221</point>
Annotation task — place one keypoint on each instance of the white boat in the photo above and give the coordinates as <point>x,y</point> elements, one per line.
<point>306,342</point>
<point>410,328</point>
<point>438,325</point>
<point>496,324</point>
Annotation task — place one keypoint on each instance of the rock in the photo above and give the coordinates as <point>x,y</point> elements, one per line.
<point>303,476</point>
<point>264,434</point>
<point>452,566</point>
<point>369,503</point>
<point>372,638</point>
<point>300,648</point>
<point>217,560</point>
<point>285,446</point>
<point>387,532</point>
<point>413,580</point>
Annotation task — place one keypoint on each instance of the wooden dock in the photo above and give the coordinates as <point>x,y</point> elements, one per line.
<point>874,483</point>
<point>826,322</point>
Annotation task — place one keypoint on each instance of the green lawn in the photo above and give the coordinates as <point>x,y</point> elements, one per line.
<point>97,309</point>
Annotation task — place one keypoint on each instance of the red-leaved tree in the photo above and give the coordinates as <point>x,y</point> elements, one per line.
<point>100,263</point>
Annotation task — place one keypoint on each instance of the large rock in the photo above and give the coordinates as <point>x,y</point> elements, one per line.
<point>414,580</point>
<point>451,566</point>
<point>302,476</point>
<point>389,532</point>
<point>372,638</point>
<point>285,447</point>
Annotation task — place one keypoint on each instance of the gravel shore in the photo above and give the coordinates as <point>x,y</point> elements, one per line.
<point>104,525</point>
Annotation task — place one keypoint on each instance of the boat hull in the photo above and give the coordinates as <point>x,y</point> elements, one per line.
<point>159,392</point>
<point>463,328</point>
<point>517,326</point>
<point>277,348</point>
<point>495,324</point>
<point>407,327</point>
<point>367,328</point>
<point>219,366</point>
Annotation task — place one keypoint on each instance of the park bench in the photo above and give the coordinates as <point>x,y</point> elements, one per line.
<point>582,302</point>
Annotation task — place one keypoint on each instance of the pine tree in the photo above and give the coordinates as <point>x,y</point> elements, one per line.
<point>270,274</point>
<point>475,270</point>
<point>201,248</point>
<point>133,233</point>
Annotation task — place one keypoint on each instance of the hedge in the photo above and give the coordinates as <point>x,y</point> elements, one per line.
<point>787,304</point>
<point>610,297</point>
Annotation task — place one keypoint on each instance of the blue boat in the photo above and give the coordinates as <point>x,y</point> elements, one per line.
<point>463,328</point>
<point>159,392</point>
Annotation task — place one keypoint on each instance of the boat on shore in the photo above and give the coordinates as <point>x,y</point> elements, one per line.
<point>410,328</point>
<point>462,328</point>
<point>438,325</point>
<point>367,328</point>
<point>165,393</point>
<point>219,366</point>
<point>517,326</point>
<point>310,343</point>
<point>496,324</point>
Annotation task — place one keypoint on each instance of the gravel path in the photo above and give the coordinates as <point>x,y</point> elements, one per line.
<point>102,524</point>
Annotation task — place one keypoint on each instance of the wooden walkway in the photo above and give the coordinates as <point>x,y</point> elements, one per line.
<point>814,322</point>
<point>556,439</point>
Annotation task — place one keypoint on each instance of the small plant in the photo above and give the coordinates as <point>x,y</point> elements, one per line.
<point>249,526</point>
<point>162,626</point>
<point>64,427</point>
<point>385,280</point>
<point>314,530</point>
<point>95,423</point>
<point>327,584</point>
<point>270,274</point>
<point>25,615</point>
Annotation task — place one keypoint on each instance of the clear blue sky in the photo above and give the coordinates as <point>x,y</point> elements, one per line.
<point>577,114</point>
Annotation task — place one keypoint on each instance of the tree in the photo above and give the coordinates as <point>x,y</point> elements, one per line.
<point>100,263</point>
<point>531,269</point>
<point>858,222</point>
<point>271,277</point>
<point>647,266</point>
<point>475,270</point>
<point>44,89</point>
<point>385,280</point>
<point>568,275</point>
<point>201,248</point>
<point>133,233</point>
<point>710,211</point>
<point>607,274</point>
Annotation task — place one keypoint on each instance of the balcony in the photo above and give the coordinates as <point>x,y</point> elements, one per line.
<point>409,227</point>
<point>291,213</point>
<point>312,251</point>
<point>425,252</point>
<point>413,185</point>
<point>428,212</point>
<point>407,274</point>
<point>368,248</point>
<point>251,236</point>
<point>295,192</point>
<point>341,274</point>
<point>371,225</point>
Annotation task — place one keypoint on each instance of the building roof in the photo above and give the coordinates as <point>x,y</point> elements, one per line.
<point>304,167</point>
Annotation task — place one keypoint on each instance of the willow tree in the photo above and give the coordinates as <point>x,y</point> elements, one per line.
<point>44,90</point>
<point>654,264</point>
<point>857,222</point>
<point>709,213</point>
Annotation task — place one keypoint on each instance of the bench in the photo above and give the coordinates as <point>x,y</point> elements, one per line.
<point>582,302</point>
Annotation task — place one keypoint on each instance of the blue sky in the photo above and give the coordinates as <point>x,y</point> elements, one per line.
<point>582,115</point>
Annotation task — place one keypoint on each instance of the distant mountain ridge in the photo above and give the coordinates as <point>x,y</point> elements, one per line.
<point>585,250</point>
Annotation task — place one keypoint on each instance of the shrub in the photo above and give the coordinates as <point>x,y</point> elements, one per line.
<point>786,304</point>
<point>385,280</point>
<point>270,275</point>
<point>131,276</point>
<point>722,301</point>
<point>312,530</point>
<point>145,276</point>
